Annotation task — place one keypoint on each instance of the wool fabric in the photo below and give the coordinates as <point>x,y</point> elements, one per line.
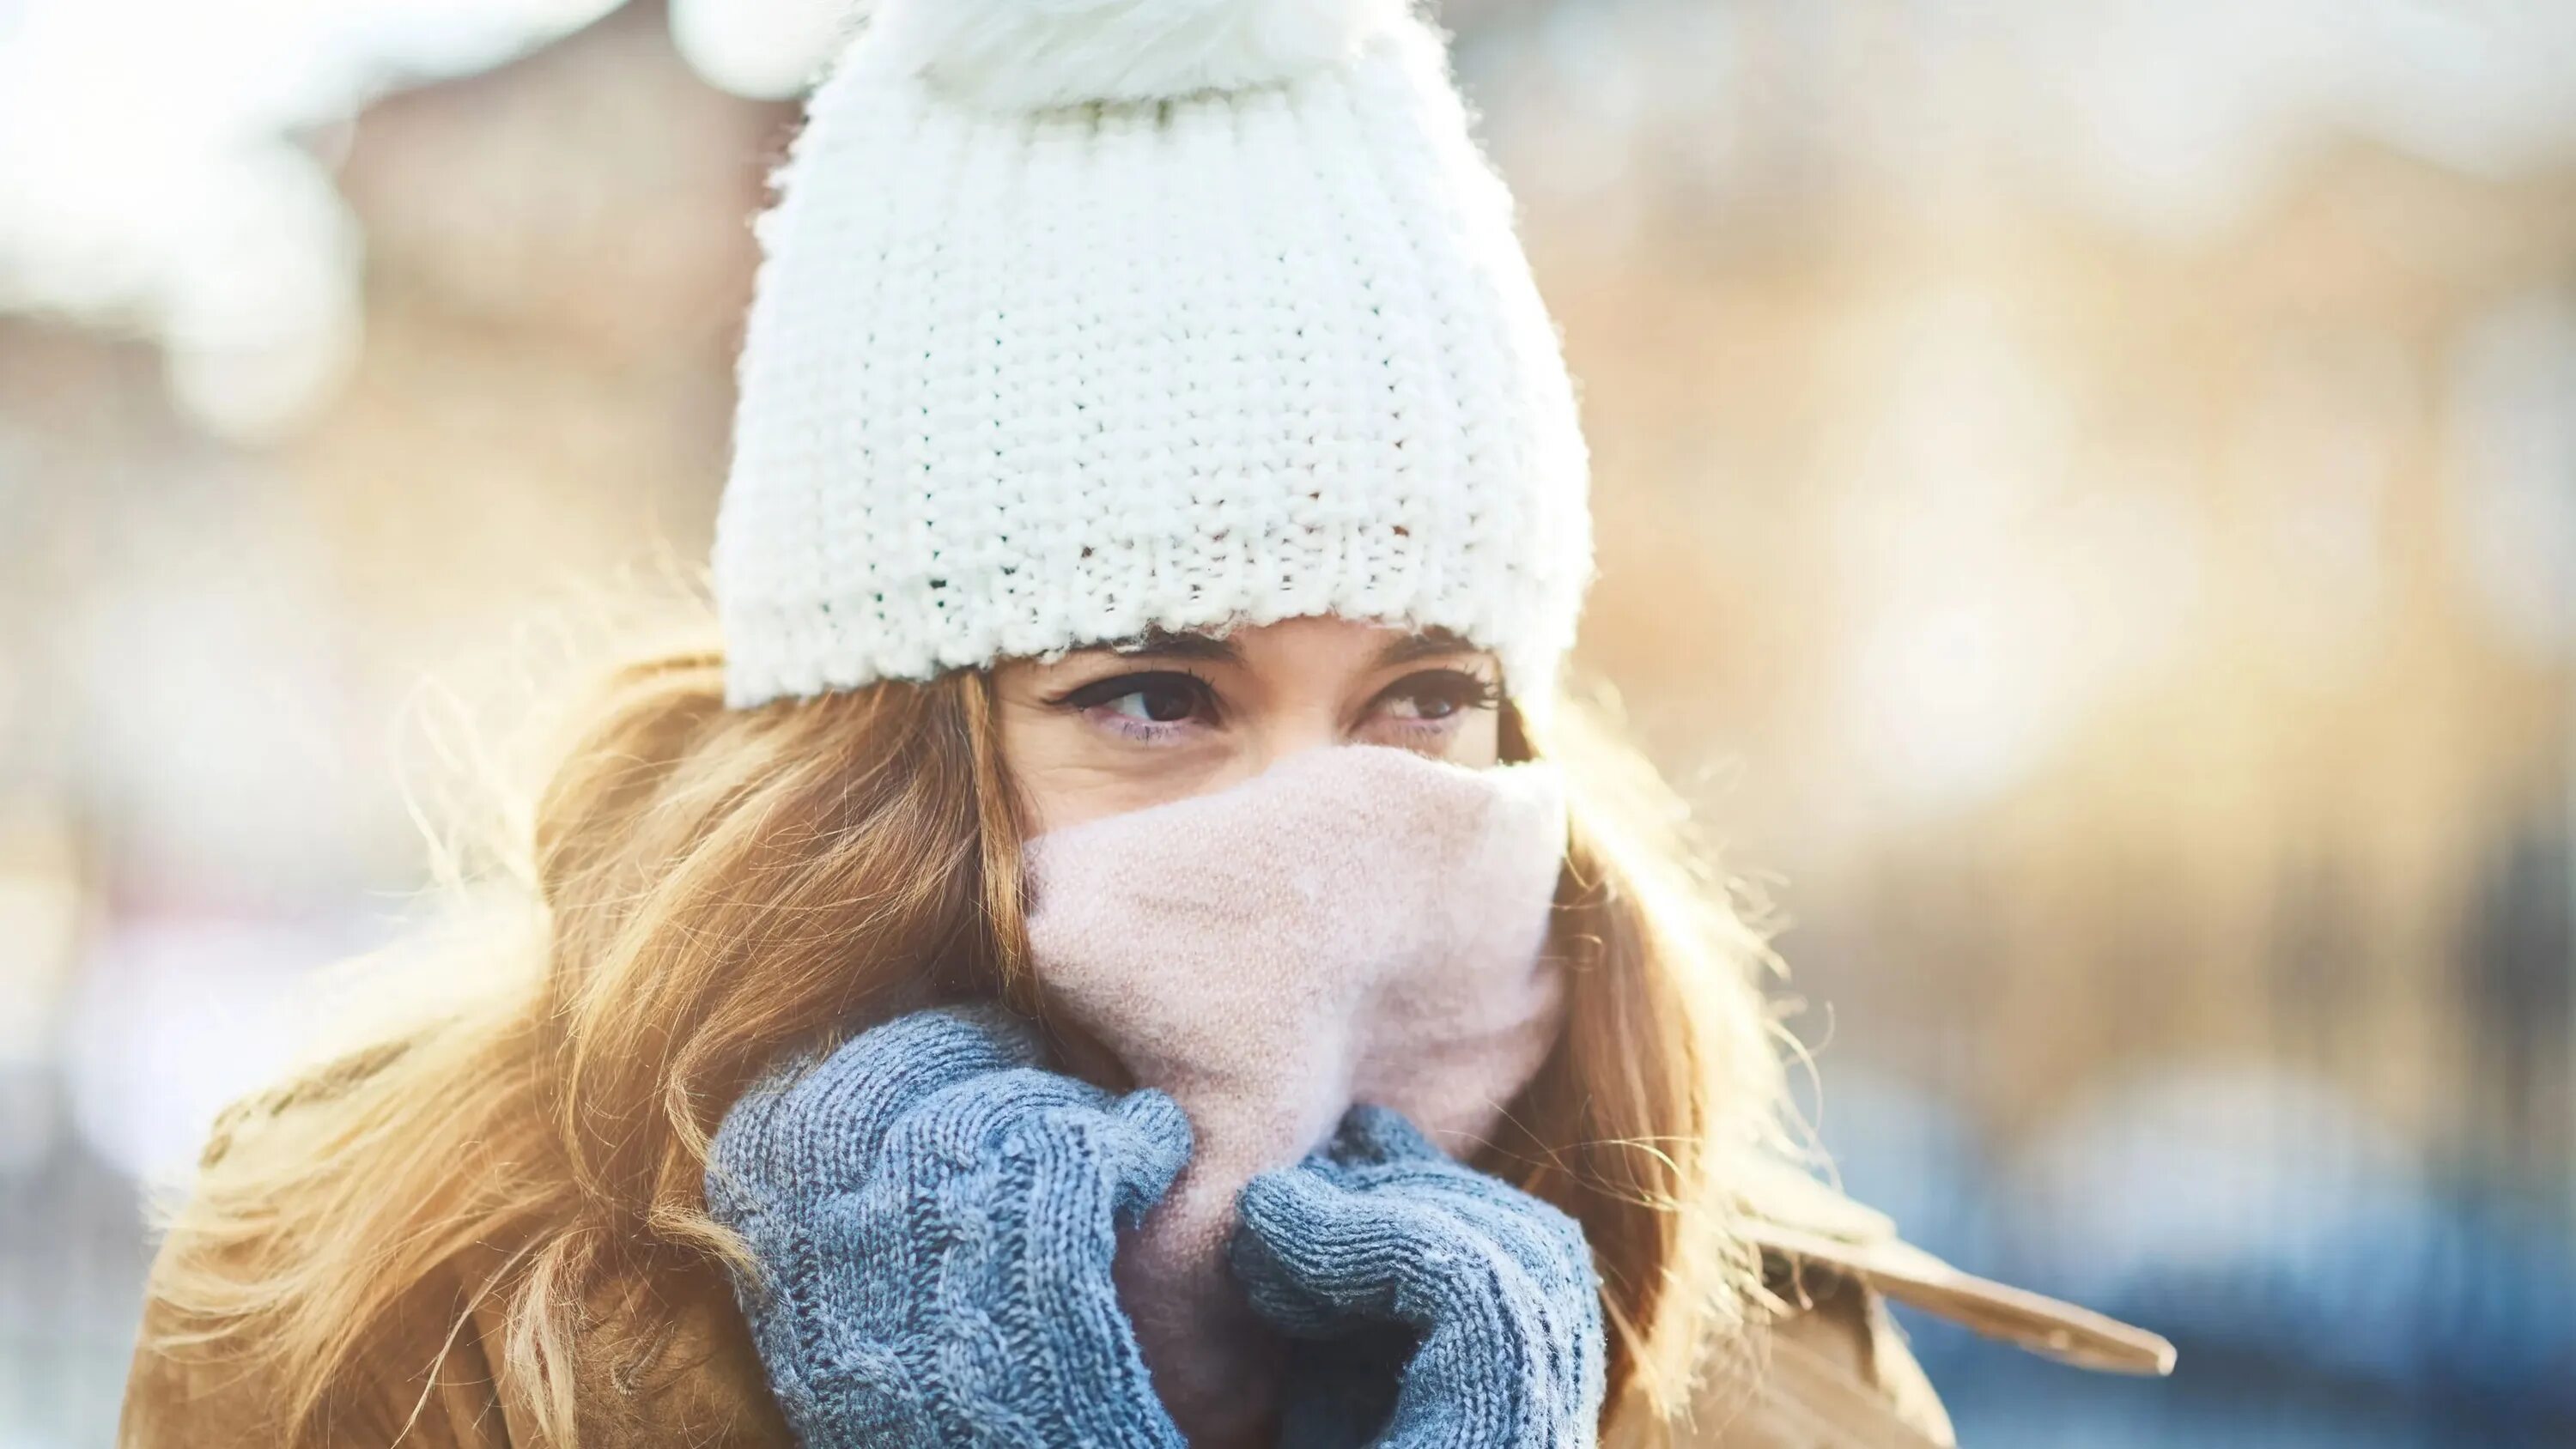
<point>1356,924</point>
<point>934,1218</point>
<point>1080,319</point>
<point>1487,1297</point>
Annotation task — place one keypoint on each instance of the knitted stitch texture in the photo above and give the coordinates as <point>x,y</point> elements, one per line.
<point>1381,1236</point>
<point>935,1219</point>
<point>1054,344</point>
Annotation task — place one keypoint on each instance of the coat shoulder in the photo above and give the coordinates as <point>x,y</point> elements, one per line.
<point>659,1355</point>
<point>1825,1367</point>
<point>1809,1225</point>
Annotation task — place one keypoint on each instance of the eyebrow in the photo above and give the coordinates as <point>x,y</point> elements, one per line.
<point>1161,644</point>
<point>1429,644</point>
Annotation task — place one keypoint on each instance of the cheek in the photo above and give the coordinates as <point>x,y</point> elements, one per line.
<point>1472,739</point>
<point>1480,742</point>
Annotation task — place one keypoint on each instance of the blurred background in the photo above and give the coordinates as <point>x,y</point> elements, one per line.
<point>2088,510</point>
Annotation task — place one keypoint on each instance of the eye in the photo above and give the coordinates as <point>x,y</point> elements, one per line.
<point>1436,695</point>
<point>1163,697</point>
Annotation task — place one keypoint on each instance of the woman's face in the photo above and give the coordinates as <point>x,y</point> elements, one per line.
<point>1107,730</point>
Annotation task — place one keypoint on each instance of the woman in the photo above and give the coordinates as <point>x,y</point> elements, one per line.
<point>1144,404</point>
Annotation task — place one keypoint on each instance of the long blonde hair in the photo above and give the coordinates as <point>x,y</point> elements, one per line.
<point>713,887</point>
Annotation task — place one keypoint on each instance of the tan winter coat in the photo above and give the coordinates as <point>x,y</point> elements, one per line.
<point>667,1362</point>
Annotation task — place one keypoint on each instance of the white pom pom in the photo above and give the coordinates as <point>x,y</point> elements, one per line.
<point>1034,54</point>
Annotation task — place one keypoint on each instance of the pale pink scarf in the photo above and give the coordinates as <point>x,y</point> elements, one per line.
<point>1355,924</point>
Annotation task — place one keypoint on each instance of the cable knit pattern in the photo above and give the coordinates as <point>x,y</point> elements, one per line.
<point>1381,1232</point>
<point>1017,381</point>
<point>935,1219</point>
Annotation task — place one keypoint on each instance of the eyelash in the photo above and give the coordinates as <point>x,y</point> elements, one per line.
<point>1463,691</point>
<point>1100,693</point>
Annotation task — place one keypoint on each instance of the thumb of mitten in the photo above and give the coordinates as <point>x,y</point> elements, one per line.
<point>1144,1144</point>
<point>1373,1136</point>
<point>1309,1251</point>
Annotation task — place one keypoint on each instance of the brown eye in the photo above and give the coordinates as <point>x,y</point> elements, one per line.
<point>1160,703</point>
<point>1437,694</point>
<point>1160,697</point>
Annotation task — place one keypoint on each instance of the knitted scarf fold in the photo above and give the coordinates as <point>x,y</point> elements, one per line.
<point>1357,924</point>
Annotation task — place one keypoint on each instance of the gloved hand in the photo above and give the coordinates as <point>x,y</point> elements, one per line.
<point>1430,1305</point>
<point>935,1218</point>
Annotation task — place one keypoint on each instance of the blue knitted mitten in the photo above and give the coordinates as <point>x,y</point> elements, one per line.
<point>935,1218</point>
<point>1431,1306</point>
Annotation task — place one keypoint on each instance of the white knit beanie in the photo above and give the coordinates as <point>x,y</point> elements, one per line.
<point>1084,318</point>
